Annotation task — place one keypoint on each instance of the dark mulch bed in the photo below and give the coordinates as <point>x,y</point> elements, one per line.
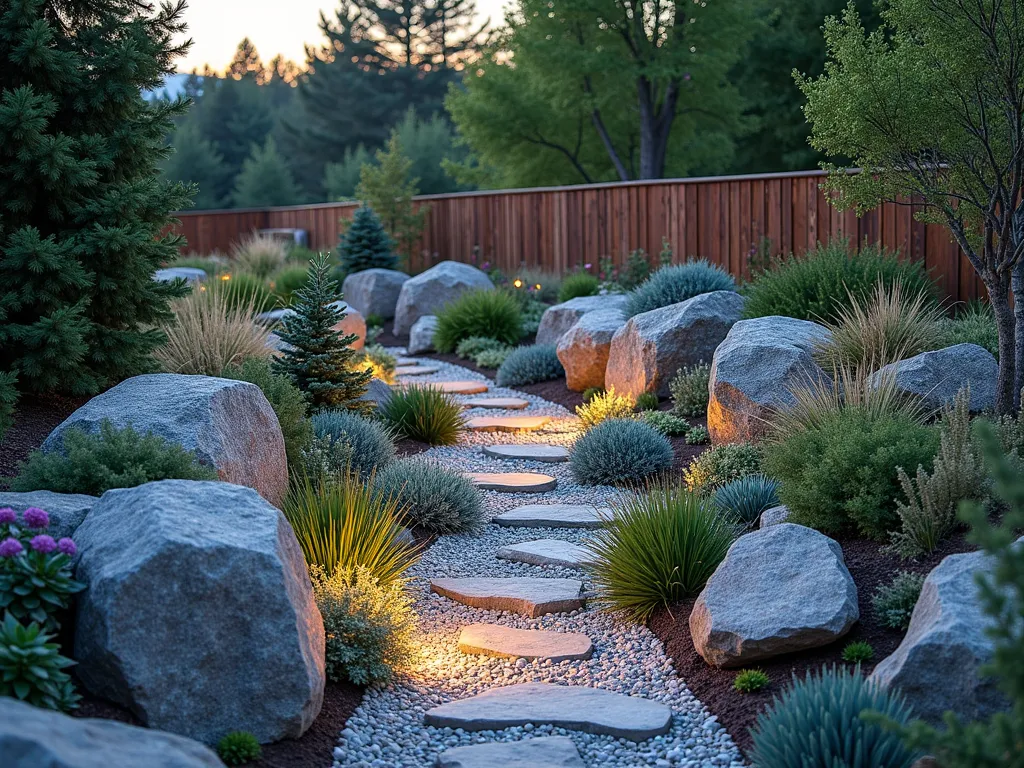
<point>35,417</point>
<point>737,712</point>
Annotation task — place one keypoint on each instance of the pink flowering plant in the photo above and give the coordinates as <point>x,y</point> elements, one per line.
<point>35,569</point>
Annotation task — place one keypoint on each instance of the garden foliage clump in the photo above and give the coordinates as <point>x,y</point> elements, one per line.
<point>369,445</point>
<point>578,284</point>
<point>619,452</point>
<point>425,414</point>
<point>667,423</point>
<point>434,497</point>
<point>365,244</point>
<point>239,748</point>
<point>530,365</point>
<point>722,464</point>
<point>689,390</point>
<point>489,313</point>
<point>894,602</point>
<point>674,284</point>
<point>744,500</point>
<point>604,405</point>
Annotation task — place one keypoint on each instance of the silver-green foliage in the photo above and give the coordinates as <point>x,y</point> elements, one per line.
<point>671,285</point>
<point>619,451</point>
<point>721,464</point>
<point>744,500</point>
<point>470,347</point>
<point>894,602</point>
<point>816,723</point>
<point>667,423</point>
<point>435,498</point>
<point>371,445</point>
<point>689,390</point>
<point>529,365</point>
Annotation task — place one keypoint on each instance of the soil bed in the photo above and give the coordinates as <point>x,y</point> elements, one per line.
<point>737,712</point>
<point>35,417</point>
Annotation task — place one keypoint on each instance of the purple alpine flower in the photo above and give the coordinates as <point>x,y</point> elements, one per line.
<point>43,543</point>
<point>7,516</point>
<point>35,517</point>
<point>10,548</point>
<point>67,547</point>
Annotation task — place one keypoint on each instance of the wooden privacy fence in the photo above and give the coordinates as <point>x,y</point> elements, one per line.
<point>724,219</point>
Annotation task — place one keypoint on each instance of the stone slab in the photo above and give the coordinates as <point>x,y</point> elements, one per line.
<point>545,552</point>
<point>504,403</point>
<point>506,423</point>
<point>554,516</point>
<point>528,596</point>
<point>579,708</point>
<point>408,361</point>
<point>416,370</point>
<point>513,482</point>
<point>510,643</point>
<point>543,752</point>
<point>454,387</point>
<point>550,454</point>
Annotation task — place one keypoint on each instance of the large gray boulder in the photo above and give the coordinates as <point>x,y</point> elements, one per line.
<point>583,349</point>
<point>652,346</point>
<point>66,510</point>
<point>191,275</point>
<point>937,665</point>
<point>753,371</point>
<point>937,376</point>
<point>421,336</point>
<point>558,319</point>
<point>199,614</point>
<point>31,737</point>
<point>229,424</point>
<point>429,291</point>
<point>374,291</point>
<point>781,589</point>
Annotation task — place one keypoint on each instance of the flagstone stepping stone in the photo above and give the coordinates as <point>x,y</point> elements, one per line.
<point>575,707</point>
<point>542,752</point>
<point>554,516</point>
<point>528,596</point>
<point>407,361</point>
<point>505,403</point>
<point>511,643</point>
<point>513,482</point>
<point>457,387</point>
<point>416,370</point>
<point>506,423</point>
<point>545,552</point>
<point>551,454</point>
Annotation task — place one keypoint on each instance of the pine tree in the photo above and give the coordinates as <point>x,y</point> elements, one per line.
<point>265,180</point>
<point>365,244</point>
<point>387,188</point>
<point>319,359</point>
<point>196,161</point>
<point>83,211</point>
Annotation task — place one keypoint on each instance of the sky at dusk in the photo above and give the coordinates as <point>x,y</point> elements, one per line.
<point>275,26</point>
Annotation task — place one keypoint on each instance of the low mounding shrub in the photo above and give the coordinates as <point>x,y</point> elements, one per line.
<point>667,423</point>
<point>32,669</point>
<point>858,652</point>
<point>578,284</point>
<point>745,499</point>
<point>492,358</point>
<point>435,498</point>
<point>239,748</point>
<point>115,458</point>
<point>259,255</point>
<point>494,314</point>
<point>424,414</point>
<point>346,523</point>
<point>618,452</point>
<point>369,626</point>
<point>698,435</point>
<point>285,398</point>
<point>720,465</point>
<point>529,365</point>
<point>818,284</point>
<point>689,390</point>
<point>750,681</point>
<point>591,392</point>
<point>604,405</point>
<point>671,285</point>
<point>894,602</point>
<point>287,280</point>
<point>208,335</point>
<point>647,401</point>
<point>472,346</point>
<point>370,445</point>
<point>817,722</point>
<point>975,325</point>
<point>532,311</point>
<point>658,548</point>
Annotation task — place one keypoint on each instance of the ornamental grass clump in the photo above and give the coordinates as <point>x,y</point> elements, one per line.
<point>974,325</point>
<point>239,748</point>
<point>370,446</point>
<point>744,500</point>
<point>817,721</point>
<point>259,255</point>
<point>619,452</point>
<point>604,405</point>
<point>32,669</point>
<point>720,465</point>
<point>578,284</point>
<point>858,652</point>
<point>286,281</point>
<point>424,414</point>
<point>491,313</point>
<point>240,290</point>
<point>658,548</point>
<point>689,390</point>
<point>674,284</point>
<point>530,365</point>
<point>435,497</point>
<point>894,602</point>
<point>750,681</point>
<point>114,458</point>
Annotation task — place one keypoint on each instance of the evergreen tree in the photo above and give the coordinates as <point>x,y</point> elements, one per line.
<point>365,244</point>
<point>341,179</point>
<point>83,211</point>
<point>320,360</point>
<point>388,189</point>
<point>265,180</point>
<point>196,161</point>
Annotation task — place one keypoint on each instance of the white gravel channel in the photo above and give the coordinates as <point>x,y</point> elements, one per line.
<point>387,730</point>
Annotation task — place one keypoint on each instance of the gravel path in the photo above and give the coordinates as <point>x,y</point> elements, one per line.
<point>387,730</point>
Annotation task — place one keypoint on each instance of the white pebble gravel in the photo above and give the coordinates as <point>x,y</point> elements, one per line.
<point>387,731</point>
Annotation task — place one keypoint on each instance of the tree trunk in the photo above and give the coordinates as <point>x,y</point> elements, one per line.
<point>655,126</point>
<point>1018,310</point>
<point>999,298</point>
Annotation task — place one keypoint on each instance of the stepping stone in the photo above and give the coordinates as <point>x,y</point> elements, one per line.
<point>542,752</point>
<point>510,643</point>
<point>576,707</point>
<point>513,482</point>
<point>416,370</point>
<point>545,552</point>
<point>554,516</point>
<point>551,454</point>
<point>506,423</point>
<point>505,403</point>
<point>527,596</point>
<point>458,387</point>
<point>407,361</point>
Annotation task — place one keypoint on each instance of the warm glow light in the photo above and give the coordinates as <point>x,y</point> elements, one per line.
<point>536,287</point>
<point>225,277</point>
<point>518,283</point>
